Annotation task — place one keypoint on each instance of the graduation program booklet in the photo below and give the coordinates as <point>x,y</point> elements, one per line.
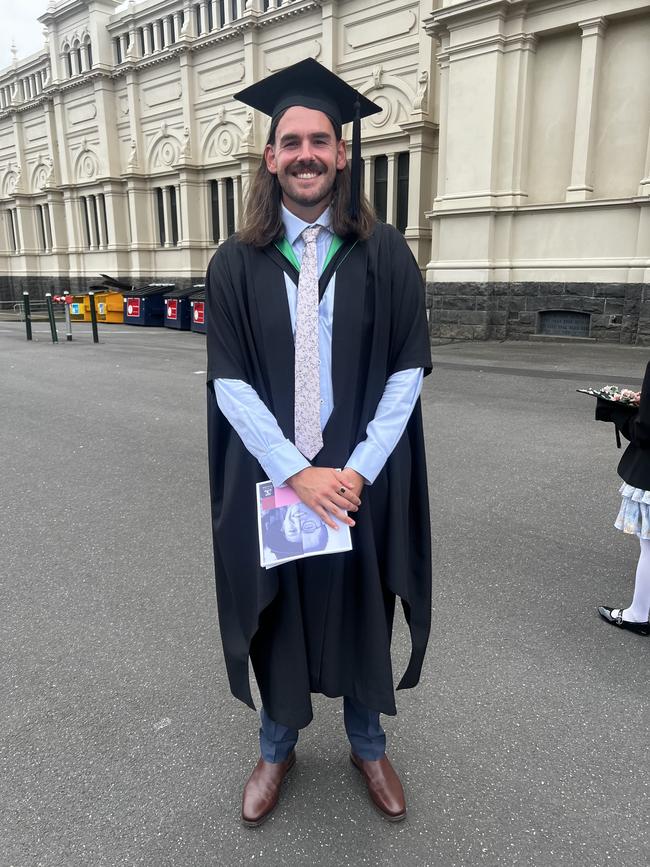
<point>290,530</point>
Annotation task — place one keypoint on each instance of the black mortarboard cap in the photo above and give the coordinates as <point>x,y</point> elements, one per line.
<point>311,85</point>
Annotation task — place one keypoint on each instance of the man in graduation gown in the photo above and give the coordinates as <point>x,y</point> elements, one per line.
<point>317,346</point>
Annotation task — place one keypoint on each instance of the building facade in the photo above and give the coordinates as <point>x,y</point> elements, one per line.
<point>541,216</point>
<point>122,151</point>
<point>513,151</point>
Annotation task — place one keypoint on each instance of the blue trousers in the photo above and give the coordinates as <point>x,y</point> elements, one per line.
<point>362,727</point>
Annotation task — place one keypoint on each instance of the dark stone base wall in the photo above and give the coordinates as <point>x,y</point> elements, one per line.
<point>620,312</point>
<point>12,288</point>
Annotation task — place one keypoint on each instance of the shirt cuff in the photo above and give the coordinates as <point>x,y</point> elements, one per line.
<point>283,462</point>
<point>367,460</point>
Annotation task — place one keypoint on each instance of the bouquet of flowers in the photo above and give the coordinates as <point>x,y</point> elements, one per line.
<point>623,396</point>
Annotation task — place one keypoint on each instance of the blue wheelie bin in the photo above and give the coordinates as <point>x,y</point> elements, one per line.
<point>178,309</point>
<point>197,302</point>
<point>146,305</point>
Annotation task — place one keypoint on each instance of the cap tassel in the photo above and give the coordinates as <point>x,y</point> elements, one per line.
<point>355,192</point>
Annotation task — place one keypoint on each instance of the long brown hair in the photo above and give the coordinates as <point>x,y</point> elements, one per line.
<point>262,222</point>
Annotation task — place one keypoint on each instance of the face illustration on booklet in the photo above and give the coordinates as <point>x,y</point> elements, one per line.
<point>290,530</point>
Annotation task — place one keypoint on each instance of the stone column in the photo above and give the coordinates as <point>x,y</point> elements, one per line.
<point>141,221</point>
<point>203,10</point>
<point>57,125</point>
<point>178,24</point>
<point>47,227</point>
<point>116,205</point>
<point>19,145</point>
<point>135,125</point>
<point>581,188</point>
<point>11,234</point>
<point>644,184</point>
<point>93,221</point>
<point>189,19</point>
<point>156,35</point>
<point>443,61</point>
<point>74,228</point>
<point>236,191</point>
<point>179,213</point>
<point>223,211</point>
<point>329,30</point>
<point>195,228</point>
<point>124,45</point>
<point>109,156</point>
<point>185,64</point>
<point>5,219</point>
<point>85,65</point>
<point>12,214</point>
<point>148,40</point>
<point>421,168</point>
<point>391,190</point>
<point>369,177</point>
<point>84,236</point>
<point>227,16</point>
<point>167,32</point>
<point>522,112</point>
<point>167,211</point>
<point>101,213</point>
<point>249,162</point>
<point>216,16</point>
<point>58,226</point>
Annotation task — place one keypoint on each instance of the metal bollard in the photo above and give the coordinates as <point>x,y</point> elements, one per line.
<point>93,316</point>
<point>50,316</point>
<point>68,321</point>
<point>28,315</point>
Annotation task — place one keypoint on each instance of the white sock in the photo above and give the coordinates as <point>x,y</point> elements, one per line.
<point>640,608</point>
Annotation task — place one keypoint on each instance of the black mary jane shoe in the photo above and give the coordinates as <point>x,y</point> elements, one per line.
<point>639,628</point>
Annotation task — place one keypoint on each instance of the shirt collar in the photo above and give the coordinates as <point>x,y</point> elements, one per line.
<point>294,226</point>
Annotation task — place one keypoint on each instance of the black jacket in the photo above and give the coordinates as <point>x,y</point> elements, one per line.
<point>634,467</point>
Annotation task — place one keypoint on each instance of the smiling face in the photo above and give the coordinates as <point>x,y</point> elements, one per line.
<point>305,156</point>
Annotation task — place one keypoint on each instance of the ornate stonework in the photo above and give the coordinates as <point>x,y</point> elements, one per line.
<point>126,121</point>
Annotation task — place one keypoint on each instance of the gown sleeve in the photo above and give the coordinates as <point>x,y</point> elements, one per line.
<point>224,326</point>
<point>410,345</point>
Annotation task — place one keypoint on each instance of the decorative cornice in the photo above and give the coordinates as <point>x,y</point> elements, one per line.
<point>593,26</point>
<point>637,201</point>
<point>475,10</point>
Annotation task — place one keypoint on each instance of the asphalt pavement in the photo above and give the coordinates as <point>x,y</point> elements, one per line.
<point>526,742</point>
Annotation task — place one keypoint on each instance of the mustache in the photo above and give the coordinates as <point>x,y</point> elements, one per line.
<point>312,165</point>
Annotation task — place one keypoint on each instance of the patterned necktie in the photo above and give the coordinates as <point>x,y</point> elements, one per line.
<point>308,435</point>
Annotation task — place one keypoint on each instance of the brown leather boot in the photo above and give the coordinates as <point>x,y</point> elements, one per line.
<point>262,790</point>
<point>384,786</point>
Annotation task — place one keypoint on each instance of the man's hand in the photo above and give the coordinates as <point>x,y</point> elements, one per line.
<point>329,492</point>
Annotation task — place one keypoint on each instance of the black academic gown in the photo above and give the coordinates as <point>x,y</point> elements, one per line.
<point>322,624</point>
